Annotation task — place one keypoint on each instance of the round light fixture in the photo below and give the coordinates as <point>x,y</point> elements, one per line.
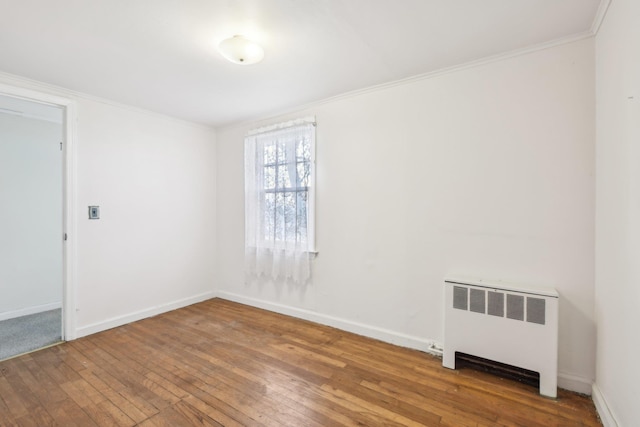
<point>240,50</point>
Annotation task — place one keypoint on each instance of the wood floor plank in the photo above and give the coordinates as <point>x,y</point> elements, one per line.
<point>68,413</point>
<point>120,401</point>
<point>180,415</point>
<point>194,416</point>
<point>49,363</point>
<point>286,388</point>
<point>131,376</point>
<point>258,387</point>
<point>220,363</point>
<point>76,394</point>
<point>6,417</point>
<point>40,384</point>
<point>296,388</point>
<point>120,418</point>
<point>101,417</point>
<point>26,421</point>
<point>350,401</point>
<point>440,406</point>
<point>16,406</point>
<point>163,367</point>
<point>212,412</point>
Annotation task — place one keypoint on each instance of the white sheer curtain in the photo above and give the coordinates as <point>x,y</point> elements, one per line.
<point>279,175</point>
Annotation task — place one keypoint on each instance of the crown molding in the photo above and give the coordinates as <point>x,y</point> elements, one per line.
<point>600,14</point>
<point>50,89</point>
<point>252,122</point>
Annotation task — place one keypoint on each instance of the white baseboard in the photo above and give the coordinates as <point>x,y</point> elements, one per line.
<point>565,380</point>
<point>603,409</point>
<point>139,315</point>
<point>30,310</point>
<point>336,322</point>
<point>575,383</point>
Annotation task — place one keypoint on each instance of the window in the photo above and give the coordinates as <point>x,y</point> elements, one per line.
<point>279,196</point>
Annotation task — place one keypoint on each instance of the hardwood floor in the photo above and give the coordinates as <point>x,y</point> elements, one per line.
<point>219,363</point>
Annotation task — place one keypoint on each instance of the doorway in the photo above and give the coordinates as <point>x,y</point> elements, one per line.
<point>33,223</point>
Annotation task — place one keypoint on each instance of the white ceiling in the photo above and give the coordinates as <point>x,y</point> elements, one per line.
<point>161,54</point>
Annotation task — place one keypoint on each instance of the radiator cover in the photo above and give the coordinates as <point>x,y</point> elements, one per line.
<point>504,322</point>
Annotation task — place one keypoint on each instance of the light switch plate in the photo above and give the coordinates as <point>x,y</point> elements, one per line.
<point>94,212</point>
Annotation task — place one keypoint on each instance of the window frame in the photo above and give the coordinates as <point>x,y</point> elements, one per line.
<point>310,189</point>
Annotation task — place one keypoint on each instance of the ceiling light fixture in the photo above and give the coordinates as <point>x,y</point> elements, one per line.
<point>240,50</point>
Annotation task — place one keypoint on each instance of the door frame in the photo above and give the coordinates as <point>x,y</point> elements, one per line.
<point>69,188</point>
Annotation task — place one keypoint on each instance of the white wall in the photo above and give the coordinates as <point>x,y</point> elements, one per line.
<point>487,171</point>
<point>618,213</point>
<point>30,215</point>
<point>154,179</point>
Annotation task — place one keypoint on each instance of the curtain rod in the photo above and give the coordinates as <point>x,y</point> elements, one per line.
<point>284,125</point>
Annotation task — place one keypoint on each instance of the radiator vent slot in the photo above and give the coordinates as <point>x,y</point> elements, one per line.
<point>477,303</point>
<point>496,304</point>
<point>460,297</point>
<point>504,323</point>
<point>515,307</point>
<point>535,310</point>
<point>492,303</point>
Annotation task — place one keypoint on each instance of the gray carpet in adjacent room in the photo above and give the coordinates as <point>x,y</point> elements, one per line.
<point>28,333</point>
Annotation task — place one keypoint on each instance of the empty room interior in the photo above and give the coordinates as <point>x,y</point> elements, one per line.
<point>315,213</point>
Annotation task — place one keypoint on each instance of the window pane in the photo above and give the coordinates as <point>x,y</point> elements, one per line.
<point>279,225</point>
<point>269,177</point>
<point>282,152</point>
<point>290,220</point>
<point>304,169</point>
<point>301,217</point>
<point>269,215</point>
<point>269,153</point>
<point>283,177</point>
<point>303,149</point>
